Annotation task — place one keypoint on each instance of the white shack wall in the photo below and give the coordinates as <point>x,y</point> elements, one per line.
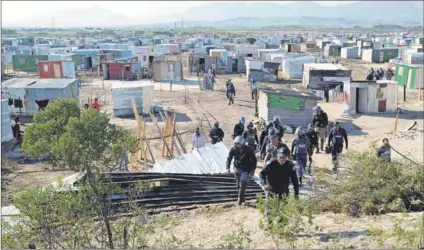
<point>372,99</point>
<point>392,92</point>
<point>263,106</point>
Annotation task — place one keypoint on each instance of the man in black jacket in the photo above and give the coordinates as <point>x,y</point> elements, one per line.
<point>216,134</point>
<point>277,175</point>
<point>274,146</point>
<point>313,138</point>
<point>239,128</point>
<point>335,139</point>
<point>244,165</point>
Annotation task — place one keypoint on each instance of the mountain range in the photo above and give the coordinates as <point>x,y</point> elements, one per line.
<point>243,14</point>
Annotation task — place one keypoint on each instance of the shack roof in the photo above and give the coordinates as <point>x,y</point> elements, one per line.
<point>324,66</point>
<point>289,92</point>
<point>51,83</point>
<point>131,84</point>
<point>18,82</point>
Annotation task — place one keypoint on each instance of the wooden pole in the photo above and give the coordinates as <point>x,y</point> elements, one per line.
<point>160,132</point>
<point>397,118</point>
<point>419,94</point>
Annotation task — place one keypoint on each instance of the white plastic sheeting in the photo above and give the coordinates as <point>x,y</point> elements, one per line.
<point>6,126</point>
<point>210,159</point>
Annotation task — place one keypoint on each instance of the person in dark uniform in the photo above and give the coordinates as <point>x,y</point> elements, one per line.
<point>17,133</point>
<point>320,123</point>
<point>336,136</point>
<point>301,152</point>
<point>264,140</point>
<point>277,128</point>
<point>216,134</point>
<point>313,138</point>
<point>277,175</point>
<point>251,136</point>
<point>231,92</point>
<point>239,128</point>
<point>244,165</point>
<point>274,146</point>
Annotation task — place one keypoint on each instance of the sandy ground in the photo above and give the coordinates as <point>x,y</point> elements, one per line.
<point>207,226</point>
<point>362,129</point>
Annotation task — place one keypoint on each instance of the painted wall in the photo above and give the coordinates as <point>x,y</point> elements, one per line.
<point>27,63</point>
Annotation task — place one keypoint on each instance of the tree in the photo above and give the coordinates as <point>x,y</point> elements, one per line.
<point>42,136</point>
<point>251,40</point>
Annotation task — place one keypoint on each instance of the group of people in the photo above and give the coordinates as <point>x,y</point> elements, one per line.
<point>380,74</point>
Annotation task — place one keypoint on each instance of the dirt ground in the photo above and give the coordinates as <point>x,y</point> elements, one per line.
<point>362,130</point>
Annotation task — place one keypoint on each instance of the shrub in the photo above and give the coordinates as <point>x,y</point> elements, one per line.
<point>372,186</point>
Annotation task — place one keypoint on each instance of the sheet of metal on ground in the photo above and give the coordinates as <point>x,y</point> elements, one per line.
<point>175,191</point>
<point>210,159</point>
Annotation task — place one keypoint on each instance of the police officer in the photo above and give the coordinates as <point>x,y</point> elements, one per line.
<point>274,146</point>
<point>336,136</point>
<point>216,134</point>
<point>239,128</point>
<point>320,123</point>
<point>313,138</point>
<point>231,92</point>
<point>385,151</point>
<point>277,175</point>
<point>277,127</point>
<point>264,140</point>
<point>250,136</point>
<point>244,164</point>
<point>300,152</point>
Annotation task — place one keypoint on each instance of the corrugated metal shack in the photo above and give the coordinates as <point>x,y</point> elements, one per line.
<point>120,70</point>
<point>261,71</point>
<point>379,55</point>
<point>31,91</point>
<point>349,52</point>
<point>56,69</point>
<point>141,91</point>
<point>370,96</point>
<point>202,61</point>
<point>410,75</point>
<point>332,50</point>
<point>293,107</point>
<point>324,76</point>
<point>167,70</point>
<point>27,63</point>
<point>6,129</point>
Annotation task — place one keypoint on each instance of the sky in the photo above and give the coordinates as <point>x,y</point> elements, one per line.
<point>13,11</point>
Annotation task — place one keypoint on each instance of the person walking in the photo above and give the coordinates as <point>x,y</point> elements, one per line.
<point>276,126</point>
<point>320,123</point>
<point>231,92</point>
<point>244,165</point>
<point>253,88</point>
<point>278,174</point>
<point>335,138</point>
<point>385,151</point>
<point>251,136</point>
<point>301,152</point>
<point>274,146</point>
<point>216,134</point>
<point>17,134</point>
<point>197,140</point>
<point>239,128</point>
<point>313,138</point>
<point>264,139</point>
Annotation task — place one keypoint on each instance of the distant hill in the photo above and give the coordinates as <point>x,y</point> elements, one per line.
<point>244,14</point>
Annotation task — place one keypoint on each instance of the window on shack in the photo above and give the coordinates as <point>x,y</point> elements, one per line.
<point>171,67</point>
<point>127,68</point>
<point>46,68</point>
<point>381,93</point>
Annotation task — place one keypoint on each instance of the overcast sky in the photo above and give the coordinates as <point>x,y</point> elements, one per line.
<point>13,11</point>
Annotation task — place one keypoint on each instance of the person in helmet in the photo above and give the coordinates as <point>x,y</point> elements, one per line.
<point>244,165</point>
<point>300,152</point>
<point>231,92</point>
<point>336,136</point>
<point>313,138</point>
<point>239,128</point>
<point>320,123</point>
<point>216,134</point>
<point>264,139</point>
<point>273,147</point>
<point>276,126</point>
<point>250,136</point>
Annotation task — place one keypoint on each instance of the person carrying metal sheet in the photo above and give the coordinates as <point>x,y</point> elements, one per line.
<point>216,134</point>
<point>320,123</point>
<point>278,174</point>
<point>250,136</point>
<point>244,165</point>
<point>300,152</point>
<point>239,128</point>
<point>335,138</point>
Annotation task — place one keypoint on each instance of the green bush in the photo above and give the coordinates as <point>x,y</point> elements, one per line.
<point>372,186</point>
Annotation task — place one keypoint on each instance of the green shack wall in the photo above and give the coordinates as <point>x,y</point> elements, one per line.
<point>286,102</point>
<point>402,79</point>
<point>386,57</point>
<point>27,63</point>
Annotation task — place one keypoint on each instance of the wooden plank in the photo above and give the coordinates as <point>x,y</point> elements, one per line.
<point>160,132</point>
<point>181,142</point>
<point>173,133</point>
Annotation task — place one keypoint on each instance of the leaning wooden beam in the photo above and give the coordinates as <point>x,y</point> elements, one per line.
<point>173,133</point>
<point>180,141</point>
<point>210,125</point>
<point>160,132</point>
